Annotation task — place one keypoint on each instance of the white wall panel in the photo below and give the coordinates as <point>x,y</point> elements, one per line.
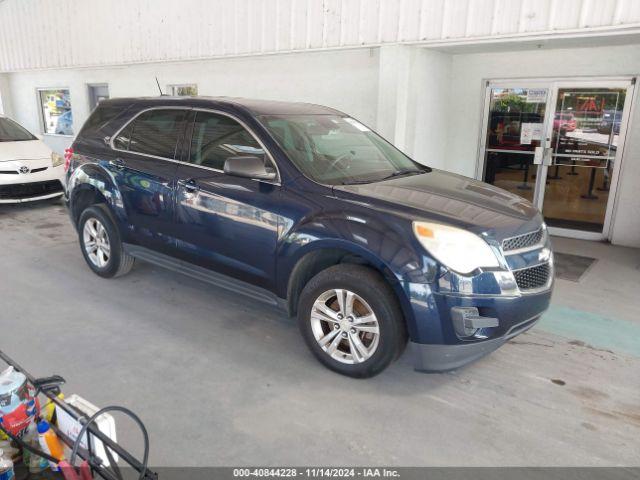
<point>456,13</point>
<point>409,21</point>
<point>598,12</point>
<point>534,15</point>
<point>480,17</point>
<point>506,17</point>
<point>38,34</point>
<point>432,15</point>
<point>566,14</point>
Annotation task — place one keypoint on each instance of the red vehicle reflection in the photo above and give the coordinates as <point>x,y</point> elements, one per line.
<point>565,122</point>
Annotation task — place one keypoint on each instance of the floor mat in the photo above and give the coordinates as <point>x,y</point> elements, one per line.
<point>572,267</point>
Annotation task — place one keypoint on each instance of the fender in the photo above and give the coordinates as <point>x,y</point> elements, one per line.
<point>91,180</point>
<point>388,245</point>
<point>379,244</point>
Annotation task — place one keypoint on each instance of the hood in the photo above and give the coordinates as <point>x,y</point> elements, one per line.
<point>27,150</point>
<point>451,199</point>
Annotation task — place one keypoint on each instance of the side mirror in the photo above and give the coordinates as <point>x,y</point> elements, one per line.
<point>248,166</point>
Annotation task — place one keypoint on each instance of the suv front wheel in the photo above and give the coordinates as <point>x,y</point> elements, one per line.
<point>100,243</point>
<point>351,320</point>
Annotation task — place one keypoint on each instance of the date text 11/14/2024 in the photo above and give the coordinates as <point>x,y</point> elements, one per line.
<point>317,472</point>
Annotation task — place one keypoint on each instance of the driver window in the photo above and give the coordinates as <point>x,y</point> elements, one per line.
<point>218,137</point>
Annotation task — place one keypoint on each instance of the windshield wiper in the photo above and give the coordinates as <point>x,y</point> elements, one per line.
<point>397,173</point>
<point>405,171</point>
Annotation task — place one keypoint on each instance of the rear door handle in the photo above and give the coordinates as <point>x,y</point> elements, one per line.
<point>118,163</point>
<point>189,185</point>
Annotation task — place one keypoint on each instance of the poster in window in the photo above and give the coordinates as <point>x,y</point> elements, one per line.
<point>55,109</point>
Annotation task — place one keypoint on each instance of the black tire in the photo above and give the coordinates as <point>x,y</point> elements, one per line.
<point>376,292</point>
<point>119,262</point>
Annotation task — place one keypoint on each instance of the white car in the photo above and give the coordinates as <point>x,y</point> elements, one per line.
<point>29,170</point>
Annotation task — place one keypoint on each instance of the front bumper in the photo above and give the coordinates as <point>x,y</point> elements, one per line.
<point>442,358</point>
<point>30,192</point>
<point>30,187</point>
<point>436,344</point>
<point>503,303</point>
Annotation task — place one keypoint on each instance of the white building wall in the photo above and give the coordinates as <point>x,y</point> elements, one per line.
<point>53,34</point>
<point>346,80</point>
<point>466,102</point>
<point>426,101</point>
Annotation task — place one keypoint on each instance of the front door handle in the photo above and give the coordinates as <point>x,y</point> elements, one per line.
<point>189,185</point>
<point>118,163</point>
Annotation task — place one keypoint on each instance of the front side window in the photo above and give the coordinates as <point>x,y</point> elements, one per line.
<point>337,150</point>
<point>218,137</point>
<point>10,131</point>
<point>154,132</point>
<point>55,110</point>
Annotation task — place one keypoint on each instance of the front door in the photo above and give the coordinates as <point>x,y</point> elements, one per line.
<point>226,223</point>
<point>558,144</point>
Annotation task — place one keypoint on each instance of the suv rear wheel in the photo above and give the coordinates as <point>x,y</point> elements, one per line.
<point>100,243</point>
<point>351,320</point>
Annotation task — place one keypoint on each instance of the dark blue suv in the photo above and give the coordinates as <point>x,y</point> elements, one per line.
<point>304,207</point>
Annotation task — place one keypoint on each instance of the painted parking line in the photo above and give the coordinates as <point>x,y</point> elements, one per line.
<point>617,335</point>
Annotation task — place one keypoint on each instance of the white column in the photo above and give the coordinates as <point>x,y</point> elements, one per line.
<point>393,83</point>
<point>5,96</point>
<point>413,101</point>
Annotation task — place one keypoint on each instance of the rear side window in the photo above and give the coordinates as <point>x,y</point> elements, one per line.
<point>218,137</point>
<point>155,132</point>
<point>101,117</point>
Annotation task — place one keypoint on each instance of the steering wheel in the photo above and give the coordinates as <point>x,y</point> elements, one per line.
<point>339,159</point>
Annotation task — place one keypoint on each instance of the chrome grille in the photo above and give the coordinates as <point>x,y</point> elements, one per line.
<point>532,277</point>
<point>522,241</point>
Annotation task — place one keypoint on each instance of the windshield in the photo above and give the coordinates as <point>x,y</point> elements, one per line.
<point>336,150</point>
<point>10,131</point>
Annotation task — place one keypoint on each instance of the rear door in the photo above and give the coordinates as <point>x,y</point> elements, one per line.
<point>224,222</point>
<point>145,168</point>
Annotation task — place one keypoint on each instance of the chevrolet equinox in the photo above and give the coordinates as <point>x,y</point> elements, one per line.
<point>303,207</point>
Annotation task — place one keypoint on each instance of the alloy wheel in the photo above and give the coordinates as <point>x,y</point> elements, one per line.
<point>96,242</point>
<point>345,326</point>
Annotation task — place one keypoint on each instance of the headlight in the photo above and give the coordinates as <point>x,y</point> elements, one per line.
<point>56,159</point>
<point>458,249</point>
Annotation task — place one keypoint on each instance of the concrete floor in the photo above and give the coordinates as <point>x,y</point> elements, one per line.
<point>220,380</point>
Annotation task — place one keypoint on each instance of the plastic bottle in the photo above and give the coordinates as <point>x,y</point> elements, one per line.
<point>6,468</point>
<point>5,444</point>
<point>9,450</point>
<point>35,463</point>
<point>50,443</point>
<point>26,437</point>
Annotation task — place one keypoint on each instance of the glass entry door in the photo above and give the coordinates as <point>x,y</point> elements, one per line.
<point>559,145</point>
<point>513,138</point>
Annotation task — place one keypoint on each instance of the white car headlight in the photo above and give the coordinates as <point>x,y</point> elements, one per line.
<point>56,159</point>
<point>461,251</point>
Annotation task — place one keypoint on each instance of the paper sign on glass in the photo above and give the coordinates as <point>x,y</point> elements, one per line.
<point>530,132</point>
<point>536,95</point>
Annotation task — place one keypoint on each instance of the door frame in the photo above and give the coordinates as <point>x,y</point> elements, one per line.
<point>553,84</point>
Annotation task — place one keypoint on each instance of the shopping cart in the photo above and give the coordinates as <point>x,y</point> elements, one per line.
<point>91,465</point>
